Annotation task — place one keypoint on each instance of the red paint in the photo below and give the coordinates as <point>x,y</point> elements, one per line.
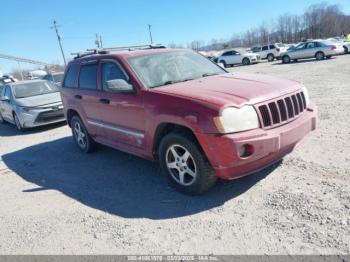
<point>192,104</point>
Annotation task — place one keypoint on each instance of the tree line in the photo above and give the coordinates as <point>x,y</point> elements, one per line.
<point>318,21</point>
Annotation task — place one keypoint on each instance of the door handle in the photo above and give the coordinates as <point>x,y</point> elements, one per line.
<point>104,101</point>
<point>78,96</point>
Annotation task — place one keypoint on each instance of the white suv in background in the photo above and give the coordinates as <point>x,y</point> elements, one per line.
<point>270,52</point>
<point>233,57</point>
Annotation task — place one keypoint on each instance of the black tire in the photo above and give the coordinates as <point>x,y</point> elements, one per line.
<point>270,57</point>
<point>319,56</point>
<point>224,63</point>
<point>346,50</point>
<point>286,59</point>
<point>86,144</point>
<point>2,120</point>
<point>204,178</point>
<point>246,61</point>
<point>18,123</point>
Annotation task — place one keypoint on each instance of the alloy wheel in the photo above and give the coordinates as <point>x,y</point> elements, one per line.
<point>80,135</point>
<point>181,165</point>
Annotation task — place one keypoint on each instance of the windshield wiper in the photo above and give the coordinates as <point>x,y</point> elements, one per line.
<point>209,74</point>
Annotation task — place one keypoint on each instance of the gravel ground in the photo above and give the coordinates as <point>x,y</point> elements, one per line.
<point>55,200</point>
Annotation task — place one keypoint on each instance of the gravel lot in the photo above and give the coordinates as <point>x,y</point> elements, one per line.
<point>55,200</point>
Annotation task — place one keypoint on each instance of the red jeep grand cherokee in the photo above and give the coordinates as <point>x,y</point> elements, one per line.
<point>175,106</point>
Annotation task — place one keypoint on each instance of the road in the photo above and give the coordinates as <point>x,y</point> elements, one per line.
<point>56,200</point>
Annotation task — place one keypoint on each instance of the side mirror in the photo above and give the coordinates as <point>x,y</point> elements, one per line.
<point>120,86</point>
<point>5,99</point>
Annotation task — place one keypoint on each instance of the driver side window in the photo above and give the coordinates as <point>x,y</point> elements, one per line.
<point>111,71</point>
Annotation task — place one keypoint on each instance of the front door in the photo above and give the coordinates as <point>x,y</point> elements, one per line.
<point>122,114</point>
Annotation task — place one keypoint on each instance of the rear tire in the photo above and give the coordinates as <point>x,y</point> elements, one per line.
<point>346,50</point>
<point>270,57</point>
<point>185,165</point>
<point>81,137</point>
<point>319,56</point>
<point>246,61</point>
<point>286,59</point>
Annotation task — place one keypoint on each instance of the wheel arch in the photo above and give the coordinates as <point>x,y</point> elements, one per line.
<point>70,114</point>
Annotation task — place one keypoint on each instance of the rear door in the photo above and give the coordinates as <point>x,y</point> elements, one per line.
<point>123,113</point>
<point>87,96</point>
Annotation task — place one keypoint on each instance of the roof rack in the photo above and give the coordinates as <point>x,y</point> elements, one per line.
<point>100,51</point>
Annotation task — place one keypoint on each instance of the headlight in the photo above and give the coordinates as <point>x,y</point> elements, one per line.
<point>237,119</point>
<point>25,109</point>
<point>306,94</point>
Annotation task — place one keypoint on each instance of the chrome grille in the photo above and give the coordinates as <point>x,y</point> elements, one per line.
<point>280,111</point>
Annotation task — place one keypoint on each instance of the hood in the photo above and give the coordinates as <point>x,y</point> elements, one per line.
<point>41,100</point>
<point>235,89</point>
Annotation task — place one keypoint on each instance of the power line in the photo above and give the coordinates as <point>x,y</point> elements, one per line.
<point>55,26</point>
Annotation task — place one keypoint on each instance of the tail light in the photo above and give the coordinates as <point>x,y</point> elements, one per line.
<point>278,49</point>
<point>334,47</point>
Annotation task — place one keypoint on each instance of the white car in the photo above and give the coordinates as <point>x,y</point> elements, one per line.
<point>346,45</point>
<point>270,52</point>
<point>232,57</point>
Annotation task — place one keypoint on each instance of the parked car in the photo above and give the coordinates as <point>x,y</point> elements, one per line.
<point>346,45</point>
<point>319,49</point>
<point>270,52</point>
<point>31,103</point>
<point>177,107</point>
<point>232,57</point>
<point>5,79</point>
<point>56,78</point>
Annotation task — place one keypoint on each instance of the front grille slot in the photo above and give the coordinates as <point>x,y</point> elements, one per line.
<point>49,116</point>
<point>275,113</point>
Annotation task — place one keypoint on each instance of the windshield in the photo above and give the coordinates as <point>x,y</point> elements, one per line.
<point>171,67</point>
<point>58,77</point>
<point>34,89</point>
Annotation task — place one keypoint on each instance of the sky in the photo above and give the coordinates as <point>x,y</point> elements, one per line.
<point>25,25</point>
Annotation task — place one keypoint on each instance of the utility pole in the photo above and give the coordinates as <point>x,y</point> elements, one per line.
<point>98,41</point>
<point>150,33</point>
<point>55,26</point>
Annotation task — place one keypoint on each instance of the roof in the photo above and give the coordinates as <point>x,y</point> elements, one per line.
<point>132,53</point>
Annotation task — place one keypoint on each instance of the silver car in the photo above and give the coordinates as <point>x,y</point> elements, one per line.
<point>31,103</point>
<point>319,49</point>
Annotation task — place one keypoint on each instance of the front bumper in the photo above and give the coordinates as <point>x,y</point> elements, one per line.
<point>41,116</point>
<point>269,146</point>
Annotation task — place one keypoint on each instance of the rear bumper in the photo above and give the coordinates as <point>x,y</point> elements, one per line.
<point>269,146</point>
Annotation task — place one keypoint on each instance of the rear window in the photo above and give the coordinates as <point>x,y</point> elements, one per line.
<point>71,75</point>
<point>265,48</point>
<point>88,76</point>
<point>272,47</point>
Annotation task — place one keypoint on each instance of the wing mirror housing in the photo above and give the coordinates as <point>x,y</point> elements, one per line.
<point>5,99</point>
<point>120,86</point>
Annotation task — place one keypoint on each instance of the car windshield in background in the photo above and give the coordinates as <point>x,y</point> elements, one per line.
<point>172,67</point>
<point>58,77</point>
<point>34,89</point>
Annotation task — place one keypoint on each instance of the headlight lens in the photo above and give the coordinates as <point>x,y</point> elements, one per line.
<point>306,94</point>
<point>25,109</point>
<point>237,119</point>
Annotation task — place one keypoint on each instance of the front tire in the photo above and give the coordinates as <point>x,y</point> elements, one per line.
<point>81,137</point>
<point>18,123</point>
<point>224,63</point>
<point>2,120</point>
<point>346,50</point>
<point>185,165</point>
<point>246,61</point>
<point>270,57</point>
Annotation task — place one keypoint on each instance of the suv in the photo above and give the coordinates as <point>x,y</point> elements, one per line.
<point>232,57</point>
<point>177,107</point>
<point>270,52</point>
